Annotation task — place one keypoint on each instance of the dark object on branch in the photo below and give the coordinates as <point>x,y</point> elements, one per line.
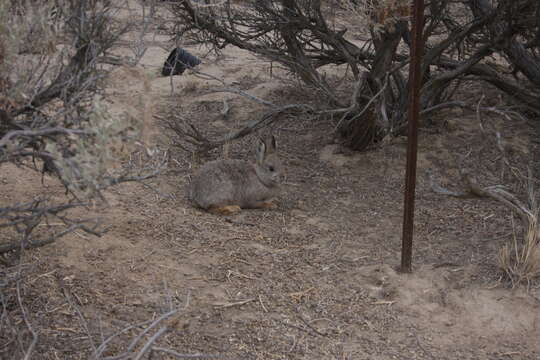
<point>178,61</point>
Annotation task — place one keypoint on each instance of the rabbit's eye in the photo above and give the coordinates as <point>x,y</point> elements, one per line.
<point>271,168</point>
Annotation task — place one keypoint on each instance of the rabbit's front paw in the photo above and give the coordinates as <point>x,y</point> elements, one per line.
<point>267,205</point>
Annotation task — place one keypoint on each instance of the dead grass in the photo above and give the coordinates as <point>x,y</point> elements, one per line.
<point>520,259</point>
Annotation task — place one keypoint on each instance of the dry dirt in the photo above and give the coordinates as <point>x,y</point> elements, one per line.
<point>314,278</point>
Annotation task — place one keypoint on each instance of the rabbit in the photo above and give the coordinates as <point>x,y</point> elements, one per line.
<point>226,186</point>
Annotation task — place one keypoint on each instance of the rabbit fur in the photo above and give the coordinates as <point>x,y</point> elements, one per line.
<point>228,183</point>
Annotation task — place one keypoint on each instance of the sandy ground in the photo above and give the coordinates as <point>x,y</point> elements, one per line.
<point>314,278</point>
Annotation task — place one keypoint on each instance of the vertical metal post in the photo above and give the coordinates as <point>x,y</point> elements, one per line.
<point>412,144</point>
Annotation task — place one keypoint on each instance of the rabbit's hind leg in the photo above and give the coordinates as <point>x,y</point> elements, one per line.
<point>267,204</point>
<point>225,210</point>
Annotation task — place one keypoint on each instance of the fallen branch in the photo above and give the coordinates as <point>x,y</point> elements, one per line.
<point>520,259</point>
<point>184,356</point>
<point>231,304</point>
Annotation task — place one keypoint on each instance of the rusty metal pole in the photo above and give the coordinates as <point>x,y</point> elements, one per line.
<point>412,143</point>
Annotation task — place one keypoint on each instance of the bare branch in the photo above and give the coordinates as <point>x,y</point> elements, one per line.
<point>30,350</point>
<point>41,132</point>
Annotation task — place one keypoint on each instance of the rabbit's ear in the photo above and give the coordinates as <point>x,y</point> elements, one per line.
<point>273,143</point>
<point>261,151</point>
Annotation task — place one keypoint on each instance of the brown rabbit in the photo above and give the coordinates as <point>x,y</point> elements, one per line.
<point>226,186</point>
